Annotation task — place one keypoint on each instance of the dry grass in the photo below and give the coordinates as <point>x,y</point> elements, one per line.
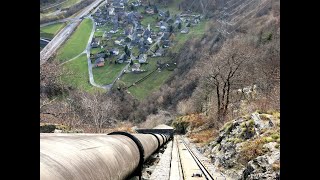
<point>276,166</point>
<point>121,126</point>
<point>274,133</point>
<point>203,137</point>
<point>193,120</point>
<point>251,150</point>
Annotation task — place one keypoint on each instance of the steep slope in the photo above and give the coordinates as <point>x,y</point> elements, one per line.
<point>248,147</point>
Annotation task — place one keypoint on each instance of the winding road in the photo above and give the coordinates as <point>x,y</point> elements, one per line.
<point>57,41</point>
<point>87,51</point>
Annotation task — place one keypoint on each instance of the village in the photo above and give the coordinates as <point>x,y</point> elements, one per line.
<point>132,32</point>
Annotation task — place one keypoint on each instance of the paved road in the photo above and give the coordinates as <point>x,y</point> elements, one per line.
<point>56,42</point>
<point>45,40</point>
<point>62,34</point>
<point>88,56</point>
<point>87,51</point>
<point>73,58</point>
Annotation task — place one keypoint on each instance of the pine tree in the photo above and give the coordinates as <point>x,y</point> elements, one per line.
<point>170,28</point>
<point>155,10</point>
<point>168,13</point>
<point>127,50</point>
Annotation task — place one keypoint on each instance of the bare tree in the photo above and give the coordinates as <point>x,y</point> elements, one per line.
<point>225,71</point>
<point>99,110</point>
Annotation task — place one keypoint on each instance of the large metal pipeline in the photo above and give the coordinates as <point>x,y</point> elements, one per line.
<point>95,156</point>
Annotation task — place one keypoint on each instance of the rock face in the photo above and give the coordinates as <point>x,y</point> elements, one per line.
<point>248,148</point>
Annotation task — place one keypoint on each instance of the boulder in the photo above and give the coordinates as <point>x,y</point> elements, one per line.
<point>261,124</point>
<point>261,168</point>
<point>224,151</point>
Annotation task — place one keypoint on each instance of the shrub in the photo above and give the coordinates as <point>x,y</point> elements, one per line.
<point>248,130</point>
<point>251,150</point>
<point>203,136</point>
<point>47,128</point>
<point>276,114</point>
<point>275,136</point>
<point>251,123</point>
<point>235,140</point>
<point>268,139</point>
<point>180,126</point>
<point>276,166</point>
<point>227,127</point>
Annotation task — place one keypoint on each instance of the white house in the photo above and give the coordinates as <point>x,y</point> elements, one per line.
<point>142,58</point>
<point>111,11</point>
<point>135,67</point>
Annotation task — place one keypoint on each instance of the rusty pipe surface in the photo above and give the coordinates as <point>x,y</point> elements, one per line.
<point>92,156</point>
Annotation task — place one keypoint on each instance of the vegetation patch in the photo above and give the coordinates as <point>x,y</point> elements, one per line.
<point>276,166</point>
<point>77,42</point>
<point>180,126</point>
<point>251,150</point>
<point>195,32</point>
<point>192,120</point>
<point>203,137</point>
<point>98,33</point>
<point>272,135</point>
<point>235,140</point>
<point>106,74</point>
<point>151,84</point>
<point>173,7</point>
<point>268,139</point>
<point>47,128</point>
<point>149,19</point>
<point>51,30</point>
<point>248,130</point>
<point>76,74</point>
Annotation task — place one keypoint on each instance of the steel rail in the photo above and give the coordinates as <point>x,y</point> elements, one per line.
<point>196,159</point>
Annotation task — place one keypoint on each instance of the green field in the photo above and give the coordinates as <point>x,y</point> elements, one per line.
<point>130,78</point>
<point>76,43</point>
<point>51,30</point>
<point>106,74</point>
<point>95,50</point>
<point>77,75</point>
<point>173,7</point>
<point>149,19</point>
<point>150,85</point>
<point>106,27</point>
<point>98,33</point>
<point>194,32</point>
